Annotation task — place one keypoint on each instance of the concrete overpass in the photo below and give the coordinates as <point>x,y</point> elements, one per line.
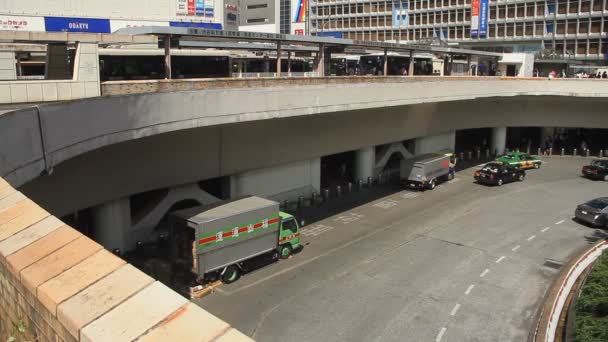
<point>165,134</point>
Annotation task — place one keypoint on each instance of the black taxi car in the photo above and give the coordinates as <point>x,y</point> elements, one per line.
<point>594,212</point>
<point>498,173</point>
<point>598,169</point>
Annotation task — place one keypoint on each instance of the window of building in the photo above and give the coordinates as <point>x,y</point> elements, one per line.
<point>583,26</point>
<point>550,27</point>
<point>594,47</point>
<point>285,16</point>
<point>529,29</point>
<point>596,25</point>
<point>256,6</point>
<point>510,30</point>
<point>500,31</point>
<point>502,10</point>
<point>519,29</point>
<point>562,6</point>
<point>561,27</point>
<point>257,20</point>
<point>573,7</point>
<point>597,5</point>
<point>585,6</point>
<point>581,47</point>
<point>540,29</point>
<point>521,11</point>
<point>529,10</point>
<point>571,26</point>
<point>511,11</point>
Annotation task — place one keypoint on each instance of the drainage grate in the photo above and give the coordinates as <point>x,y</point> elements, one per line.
<point>553,264</point>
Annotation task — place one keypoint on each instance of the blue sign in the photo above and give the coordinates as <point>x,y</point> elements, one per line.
<point>57,24</point>
<point>212,26</point>
<point>330,34</point>
<point>400,14</point>
<point>483,18</point>
<point>200,7</point>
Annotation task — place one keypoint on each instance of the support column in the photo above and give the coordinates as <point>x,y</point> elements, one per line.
<point>278,59</point>
<point>469,65</point>
<point>289,63</point>
<point>111,224</point>
<point>499,140</point>
<point>365,161</point>
<point>319,66</point>
<point>385,62</point>
<point>57,65</point>
<point>167,41</point>
<point>435,143</point>
<point>8,71</point>
<point>410,70</point>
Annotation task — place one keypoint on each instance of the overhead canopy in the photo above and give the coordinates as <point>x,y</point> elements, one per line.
<point>186,35</point>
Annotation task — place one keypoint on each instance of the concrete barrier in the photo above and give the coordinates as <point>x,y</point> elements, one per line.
<point>558,293</point>
<point>58,285</point>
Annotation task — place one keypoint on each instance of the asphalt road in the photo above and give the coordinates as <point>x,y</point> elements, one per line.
<point>464,262</point>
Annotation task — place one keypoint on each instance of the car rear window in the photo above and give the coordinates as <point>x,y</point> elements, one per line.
<point>600,163</point>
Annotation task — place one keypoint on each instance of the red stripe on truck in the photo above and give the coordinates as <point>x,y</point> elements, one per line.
<point>226,234</point>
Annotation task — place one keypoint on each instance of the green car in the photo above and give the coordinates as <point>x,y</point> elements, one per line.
<point>521,160</point>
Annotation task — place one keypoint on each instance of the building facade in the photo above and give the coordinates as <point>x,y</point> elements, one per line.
<point>571,28</point>
<point>109,15</point>
<point>273,16</point>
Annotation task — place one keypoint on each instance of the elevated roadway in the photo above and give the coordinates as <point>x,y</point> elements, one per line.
<point>177,132</point>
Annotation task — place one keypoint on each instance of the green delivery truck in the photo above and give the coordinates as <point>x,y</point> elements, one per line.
<point>224,240</point>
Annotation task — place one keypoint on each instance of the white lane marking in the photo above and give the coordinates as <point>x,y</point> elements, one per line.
<point>483,274</point>
<point>386,204</point>
<point>469,289</point>
<point>348,218</point>
<point>440,335</point>
<point>455,310</point>
<point>515,248</point>
<point>531,237</point>
<point>500,259</point>
<point>409,195</point>
<point>316,229</point>
<point>545,229</point>
<point>559,222</point>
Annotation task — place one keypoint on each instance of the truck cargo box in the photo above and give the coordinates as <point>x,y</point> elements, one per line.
<point>424,168</point>
<point>226,233</point>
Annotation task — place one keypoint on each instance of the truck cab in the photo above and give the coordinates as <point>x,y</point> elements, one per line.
<point>289,235</point>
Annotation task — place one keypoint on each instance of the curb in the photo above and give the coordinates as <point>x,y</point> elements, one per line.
<point>555,298</point>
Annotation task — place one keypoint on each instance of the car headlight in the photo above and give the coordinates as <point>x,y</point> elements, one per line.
<point>596,217</point>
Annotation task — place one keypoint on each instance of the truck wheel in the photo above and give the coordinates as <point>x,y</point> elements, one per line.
<point>500,182</point>
<point>231,274</point>
<point>432,184</point>
<point>537,165</point>
<point>520,177</point>
<point>285,251</point>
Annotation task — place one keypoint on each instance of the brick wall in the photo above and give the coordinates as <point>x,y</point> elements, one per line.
<point>58,285</point>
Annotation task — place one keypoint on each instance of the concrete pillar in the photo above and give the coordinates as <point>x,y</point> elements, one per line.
<point>499,140</point>
<point>281,182</point>
<point>57,64</point>
<point>8,70</point>
<point>278,59</point>
<point>385,62</point>
<point>167,57</point>
<point>365,162</point>
<point>410,71</point>
<point>111,223</point>
<point>319,62</point>
<point>289,63</point>
<point>435,143</point>
<point>469,65</point>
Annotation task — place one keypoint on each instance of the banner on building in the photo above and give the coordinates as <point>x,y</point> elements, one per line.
<point>191,7</point>
<point>483,18</point>
<point>474,18</point>
<point>401,14</point>
<point>199,8</point>
<point>212,26</point>
<point>298,10</point>
<point>182,7</point>
<point>59,24</point>
<point>18,23</point>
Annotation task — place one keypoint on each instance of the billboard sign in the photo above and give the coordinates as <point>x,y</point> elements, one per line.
<point>474,18</point>
<point>212,26</point>
<point>400,14</point>
<point>483,18</point>
<point>59,24</point>
<point>17,23</point>
<point>191,7</point>
<point>298,17</point>
<point>182,7</point>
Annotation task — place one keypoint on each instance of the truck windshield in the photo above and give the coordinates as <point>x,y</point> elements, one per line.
<point>290,224</point>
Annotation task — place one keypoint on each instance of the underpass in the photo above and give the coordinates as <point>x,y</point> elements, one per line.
<point>464,262</point>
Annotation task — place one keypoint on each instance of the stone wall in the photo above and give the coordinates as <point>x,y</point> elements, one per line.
<point>58,285</point>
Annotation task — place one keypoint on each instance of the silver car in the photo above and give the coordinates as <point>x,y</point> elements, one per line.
<point>594,212</point>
